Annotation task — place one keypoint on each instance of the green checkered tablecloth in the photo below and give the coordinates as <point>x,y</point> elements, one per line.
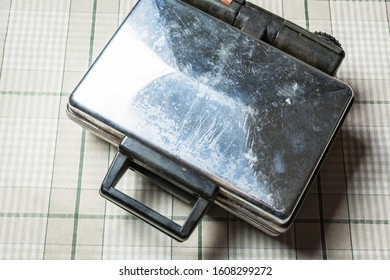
<point>51,169</point>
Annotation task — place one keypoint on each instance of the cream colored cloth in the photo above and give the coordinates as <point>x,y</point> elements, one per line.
<point>51,169</point>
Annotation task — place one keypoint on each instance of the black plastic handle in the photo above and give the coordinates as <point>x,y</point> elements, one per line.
<point>117,169</point>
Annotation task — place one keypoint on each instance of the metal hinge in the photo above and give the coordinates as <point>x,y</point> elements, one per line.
<point>311,48</point>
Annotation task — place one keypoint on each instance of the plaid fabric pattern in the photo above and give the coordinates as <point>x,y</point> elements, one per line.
<point>51,169</point>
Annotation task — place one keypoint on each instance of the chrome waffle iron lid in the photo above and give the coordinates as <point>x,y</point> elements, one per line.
<point>210,111</point>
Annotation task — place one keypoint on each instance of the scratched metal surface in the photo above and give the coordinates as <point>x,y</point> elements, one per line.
<point>253,119</point>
